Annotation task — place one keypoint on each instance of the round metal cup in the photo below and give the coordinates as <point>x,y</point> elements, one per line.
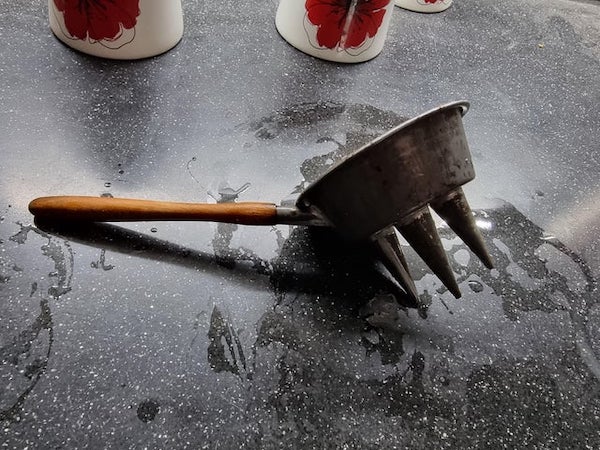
<point>395,175</point>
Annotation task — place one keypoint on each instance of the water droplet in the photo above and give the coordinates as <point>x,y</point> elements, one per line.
<point>107,184</point>
<point>106,194</point>
<point>462,257</point>
<point>147,410</point>
<point>153,230</point>
<point>121,171</point>
<point>475,286</point>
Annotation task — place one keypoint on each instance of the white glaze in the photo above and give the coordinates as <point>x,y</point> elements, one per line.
<point>157,28</point>
<point>424,6</point>
<point>293,24</point>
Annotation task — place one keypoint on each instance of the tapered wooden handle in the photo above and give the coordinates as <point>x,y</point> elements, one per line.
<point>107,209</point>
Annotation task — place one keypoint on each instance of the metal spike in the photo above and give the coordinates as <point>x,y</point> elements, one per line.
<point>421,234</point>
<point>455,211</point>
<point>390,235</point>
<point>391,255</point>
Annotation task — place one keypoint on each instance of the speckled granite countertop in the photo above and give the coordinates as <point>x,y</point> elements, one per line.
<point>197,335</point>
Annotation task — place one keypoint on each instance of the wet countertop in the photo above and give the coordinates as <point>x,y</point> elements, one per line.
<point>198,335</point>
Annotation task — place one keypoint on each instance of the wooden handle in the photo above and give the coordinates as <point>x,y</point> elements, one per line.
<point>107,209</point>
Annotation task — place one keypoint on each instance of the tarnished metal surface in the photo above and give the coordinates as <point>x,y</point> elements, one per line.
<point>399,173</point>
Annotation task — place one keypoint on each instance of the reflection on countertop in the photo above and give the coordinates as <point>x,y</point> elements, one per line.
<point>504,366</point>
<point>189,335</point>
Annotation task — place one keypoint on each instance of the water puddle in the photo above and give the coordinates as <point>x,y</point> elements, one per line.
<point>514,354</point>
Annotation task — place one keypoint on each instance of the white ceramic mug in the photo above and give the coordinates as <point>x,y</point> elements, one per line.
<point>347,31</point>
<point>122,29</point>
<point>426,6</point>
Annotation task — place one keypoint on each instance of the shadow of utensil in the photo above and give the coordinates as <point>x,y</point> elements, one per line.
<point>321,262</point>
<point>312,261</point>
<point>129,242</point>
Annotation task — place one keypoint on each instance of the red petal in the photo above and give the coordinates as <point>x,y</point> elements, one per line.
<point>330,17</point>
<point>98,19</point>
<point>60,5</point>
<point>365,23</point>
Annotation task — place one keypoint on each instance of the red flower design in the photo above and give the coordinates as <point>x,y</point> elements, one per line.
<point>98,19</point>
<point>345,23</point>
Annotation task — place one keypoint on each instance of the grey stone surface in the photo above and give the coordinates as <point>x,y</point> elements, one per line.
<point>197,335</point>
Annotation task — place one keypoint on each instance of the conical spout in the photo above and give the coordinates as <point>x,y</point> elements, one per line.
<point>420,232</point>
<point>390,253</point>
<point>455,211</point>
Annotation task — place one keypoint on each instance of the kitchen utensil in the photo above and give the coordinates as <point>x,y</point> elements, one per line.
<point>387,185</point>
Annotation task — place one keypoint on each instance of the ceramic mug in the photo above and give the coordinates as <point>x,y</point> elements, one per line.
<point>426,6</point>
<point>346,31</point>
<point>122,29</point>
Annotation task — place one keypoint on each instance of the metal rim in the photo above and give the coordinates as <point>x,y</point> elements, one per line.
<point>463,105</point>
